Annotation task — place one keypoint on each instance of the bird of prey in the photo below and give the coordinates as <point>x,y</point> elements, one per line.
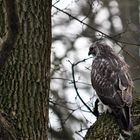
<point>112,82</point>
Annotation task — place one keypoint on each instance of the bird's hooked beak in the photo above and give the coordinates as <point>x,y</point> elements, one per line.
<point>89,53</point>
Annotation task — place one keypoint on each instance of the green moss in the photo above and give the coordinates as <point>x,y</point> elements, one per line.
<point>106,128</point>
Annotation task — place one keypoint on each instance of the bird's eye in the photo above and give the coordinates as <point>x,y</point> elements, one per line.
<point>91,49</point>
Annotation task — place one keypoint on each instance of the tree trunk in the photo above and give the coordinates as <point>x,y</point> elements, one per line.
<point>25,77</point>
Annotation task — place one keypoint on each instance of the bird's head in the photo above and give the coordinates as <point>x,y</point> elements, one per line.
<point>98,49</point>
<point>93,50</point>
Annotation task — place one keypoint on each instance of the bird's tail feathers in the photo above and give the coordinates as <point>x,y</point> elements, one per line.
<point>123,117</point>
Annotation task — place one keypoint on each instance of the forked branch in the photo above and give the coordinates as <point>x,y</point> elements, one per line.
<point>95,111</point>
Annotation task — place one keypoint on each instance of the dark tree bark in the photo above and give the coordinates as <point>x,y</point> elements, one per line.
<point>25,73</point>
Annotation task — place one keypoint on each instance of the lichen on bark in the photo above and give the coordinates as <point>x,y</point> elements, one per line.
<point>106,128</point>
<point>25,77</point>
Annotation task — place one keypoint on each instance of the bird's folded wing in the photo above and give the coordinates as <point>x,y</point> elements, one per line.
<point>111,83</point>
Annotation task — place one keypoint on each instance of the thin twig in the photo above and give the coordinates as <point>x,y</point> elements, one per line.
<point>136,79</point>
<point>105,35</point>
<point>79,134</point>
<point>74,83</point>
<point>66,79</point>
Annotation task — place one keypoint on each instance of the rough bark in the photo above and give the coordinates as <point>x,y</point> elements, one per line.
<point>25,77</point>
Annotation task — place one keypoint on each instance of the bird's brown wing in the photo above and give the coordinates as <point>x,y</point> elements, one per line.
<point>112,83</point>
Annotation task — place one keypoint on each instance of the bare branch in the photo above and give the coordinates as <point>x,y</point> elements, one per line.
<point>65,79</point>
<point>58,104</point>
<point>105,35</point>
<point>74,83</point>
<point>113,38</point>
<point>6,126</point>
<point>136,79</point>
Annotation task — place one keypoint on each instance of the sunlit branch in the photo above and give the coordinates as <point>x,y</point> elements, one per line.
<point>104,35</point>
<point>79,134</point>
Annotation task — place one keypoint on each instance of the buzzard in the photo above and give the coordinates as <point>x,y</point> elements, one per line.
<point>112,82</point>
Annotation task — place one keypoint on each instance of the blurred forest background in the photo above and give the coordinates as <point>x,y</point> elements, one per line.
<point>75,25</point>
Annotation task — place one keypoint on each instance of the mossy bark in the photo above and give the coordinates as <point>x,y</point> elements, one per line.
<point>106,128</point>
<point>25,77</point>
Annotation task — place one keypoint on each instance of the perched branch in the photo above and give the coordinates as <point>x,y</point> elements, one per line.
<point>106,127</point>
<point>13,29</point>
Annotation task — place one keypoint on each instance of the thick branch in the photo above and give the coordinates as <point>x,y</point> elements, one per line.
<point>106,127</point>
<point>13,29</point>
<point>7,131</point>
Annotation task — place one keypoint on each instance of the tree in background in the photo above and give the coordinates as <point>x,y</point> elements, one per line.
<point>83,22</point>
<point>25,75</point>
